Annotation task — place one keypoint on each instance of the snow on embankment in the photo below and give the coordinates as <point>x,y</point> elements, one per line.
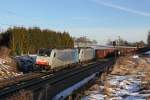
<point>129,80</point>
<point>8,66</point>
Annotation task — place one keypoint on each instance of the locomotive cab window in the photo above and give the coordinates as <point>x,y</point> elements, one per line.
<point>44,52</point>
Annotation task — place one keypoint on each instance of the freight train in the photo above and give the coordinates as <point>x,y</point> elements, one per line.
<point>54,59</point>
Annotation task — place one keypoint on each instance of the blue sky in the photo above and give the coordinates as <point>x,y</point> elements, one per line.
<point>96,19</point>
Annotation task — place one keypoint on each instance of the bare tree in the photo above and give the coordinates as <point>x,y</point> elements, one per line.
<point>94,42</point>
<point>148,39</point>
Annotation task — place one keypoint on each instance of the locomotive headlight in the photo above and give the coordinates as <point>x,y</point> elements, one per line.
<point>42,62</point>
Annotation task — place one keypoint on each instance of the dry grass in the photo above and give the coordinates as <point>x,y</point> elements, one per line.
<point>21,95</point>
<point>130,66</point>
<point>8,66</point>
<point>138,68</point>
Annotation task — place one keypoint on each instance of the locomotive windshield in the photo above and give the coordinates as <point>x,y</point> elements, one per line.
<point>44,52</point>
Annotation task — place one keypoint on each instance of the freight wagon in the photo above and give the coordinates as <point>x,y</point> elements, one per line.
<point>110,51</point>
<point>127,50</point>
<point>103,53</point>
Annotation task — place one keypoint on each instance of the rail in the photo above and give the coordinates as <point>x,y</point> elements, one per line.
<point>53,79</point>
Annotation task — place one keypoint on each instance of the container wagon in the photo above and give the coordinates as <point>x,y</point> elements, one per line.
<point>103,53</point>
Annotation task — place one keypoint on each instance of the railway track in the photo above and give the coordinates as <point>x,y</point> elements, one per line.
<point>29,76</point>
<point>57,78</point>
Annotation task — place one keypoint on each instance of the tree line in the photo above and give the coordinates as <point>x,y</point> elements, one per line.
<point>122,42</point>
<point>84,39</point>
<point>83,42</point>
<point>28,40</point>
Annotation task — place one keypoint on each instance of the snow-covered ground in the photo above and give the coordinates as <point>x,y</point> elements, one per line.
<point>121,88</point>
<point>130,80</point>
<point>8,69</point>
<point>11,67</point>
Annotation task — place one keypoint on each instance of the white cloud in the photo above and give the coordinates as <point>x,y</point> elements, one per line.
<point>129,10</point>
